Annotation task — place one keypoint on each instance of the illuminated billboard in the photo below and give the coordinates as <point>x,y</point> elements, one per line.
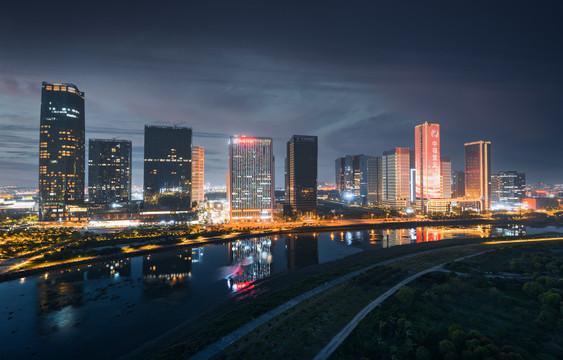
<point>427,161</point>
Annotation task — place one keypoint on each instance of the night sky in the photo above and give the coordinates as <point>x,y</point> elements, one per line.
<point>360,75</point>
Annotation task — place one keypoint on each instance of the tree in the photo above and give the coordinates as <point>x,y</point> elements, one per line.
<point>532,289</point>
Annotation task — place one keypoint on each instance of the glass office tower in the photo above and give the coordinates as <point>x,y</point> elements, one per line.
<point>109,171</point>
<point>301,177</point>
<point>478,172</point>
<point>61,150</point>
<point>167,168</point>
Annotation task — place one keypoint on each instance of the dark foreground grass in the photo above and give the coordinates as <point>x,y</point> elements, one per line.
<point>507,307</point>
<point>250,309</point>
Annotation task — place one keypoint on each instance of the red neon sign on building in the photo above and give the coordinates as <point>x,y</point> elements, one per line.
<point>427,161</point>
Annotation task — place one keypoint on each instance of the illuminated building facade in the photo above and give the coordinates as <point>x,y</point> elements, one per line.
<point>348,177</point>
<point>198,167</point>
<point>395,168</point>
<point>508,187</point>
<point>478,172</point>
<point>340,172</point>
<point>458,184</point>
<point>61,150</point>
<point>427,162</point>
<point>167,168</point>
<point>446,177</point>
<point>109,171</point>
<point>251,178</point>
<point>301,176</point>
<point>370,180</point>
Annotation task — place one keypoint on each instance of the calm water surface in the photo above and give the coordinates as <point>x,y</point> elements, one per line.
<point>108,309</point>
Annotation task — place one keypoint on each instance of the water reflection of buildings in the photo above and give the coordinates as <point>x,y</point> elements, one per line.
<point>441,233</point>
<point>197,255</point>
<point>111,269</point>
<point>252,260</point>
<point>163,272</point>
<point>301,250</point>
<point>57,290</point>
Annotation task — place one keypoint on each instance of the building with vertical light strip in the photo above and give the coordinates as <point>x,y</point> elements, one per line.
<point>446,177</point>
<point>478,172</point>
<point>395,169</point>
<point>198,167</point>
<point>109,171</point>
<point>251,178</point>
<point>61,150</point>
<point>167,168</point>
<point>427,163</point>
<point>349,177</point>
<point>301,177</point>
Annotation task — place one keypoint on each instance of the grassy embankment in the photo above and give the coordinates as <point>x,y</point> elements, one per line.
<point>505,305</point>
<point>331,309</point>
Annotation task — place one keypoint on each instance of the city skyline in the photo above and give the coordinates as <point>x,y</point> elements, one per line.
<point>358,92</point>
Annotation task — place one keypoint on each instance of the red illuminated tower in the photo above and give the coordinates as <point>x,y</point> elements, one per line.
<point>427,162</point>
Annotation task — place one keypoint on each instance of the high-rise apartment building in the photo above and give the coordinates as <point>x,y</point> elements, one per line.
<point>446,177</point>
<point>478,172</point>
<point>427,162</point>
<point>508,187</point>
<point>370,180</point>
<point>301,176</point>
<point>198,167</point>
<point>167,168</point>
<point>395,168</point>
<point>251,178</point>
<point>109,171</point>
<point>61,150</point>
<point>458,184</point>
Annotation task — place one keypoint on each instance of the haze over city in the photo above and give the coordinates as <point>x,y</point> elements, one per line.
<point>358,75</point>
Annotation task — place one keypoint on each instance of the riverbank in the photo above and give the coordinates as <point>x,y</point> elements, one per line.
<point>183,242</point>
<point>195,334</point>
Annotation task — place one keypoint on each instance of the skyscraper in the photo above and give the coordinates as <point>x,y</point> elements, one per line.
<point>446,177</point>
<point>109,171</point>
<point>198,166</point>
<point>348,177</point>
<point>340,174</point>
<point>478,172</point>
<point>370,180</point>
<point>61,150</point>
<point>509,187</point>
<point>395,167</point>
<point>301,179</point>
<point>251,178</point>
<point>458,184</point>
<point>427,162</point>
<point>167,168</point>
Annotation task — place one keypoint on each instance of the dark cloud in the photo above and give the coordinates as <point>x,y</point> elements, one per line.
<point>358,74</point>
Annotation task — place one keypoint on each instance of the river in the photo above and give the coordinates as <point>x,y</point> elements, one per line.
<point>108,309</point>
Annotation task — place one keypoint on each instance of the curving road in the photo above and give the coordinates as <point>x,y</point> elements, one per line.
<point>343,334</point>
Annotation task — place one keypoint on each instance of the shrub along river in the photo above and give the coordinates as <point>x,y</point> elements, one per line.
<point>108,309</point>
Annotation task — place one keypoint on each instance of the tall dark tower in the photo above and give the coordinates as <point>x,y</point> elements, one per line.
<point>61,150</point>
<point>168,167</point>
<point>109,171</point>
<point>301,179</point>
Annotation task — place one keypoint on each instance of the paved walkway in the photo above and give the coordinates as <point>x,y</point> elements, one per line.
<point>343,334</point>
<point>229,339</point>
